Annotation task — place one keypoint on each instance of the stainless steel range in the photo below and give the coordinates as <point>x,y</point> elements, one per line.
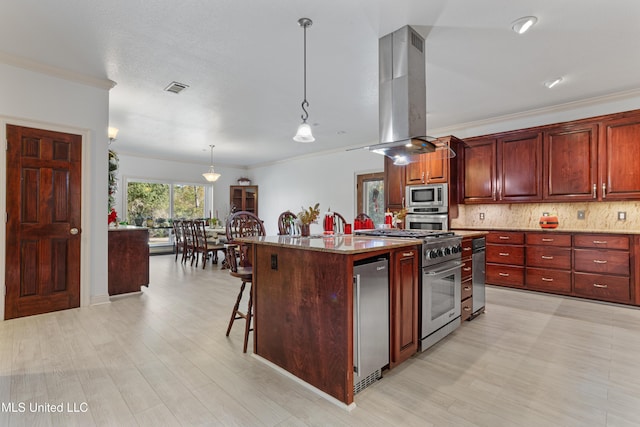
<point>441,280</point>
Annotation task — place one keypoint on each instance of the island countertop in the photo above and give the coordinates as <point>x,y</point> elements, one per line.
<point>341,244</point>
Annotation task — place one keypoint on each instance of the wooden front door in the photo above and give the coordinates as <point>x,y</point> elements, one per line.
<point>43,224</point>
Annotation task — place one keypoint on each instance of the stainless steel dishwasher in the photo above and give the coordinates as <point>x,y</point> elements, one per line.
<point>478,275</point>
<point>370,321</point>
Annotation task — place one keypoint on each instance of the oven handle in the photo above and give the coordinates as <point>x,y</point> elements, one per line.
<point>446,270</point>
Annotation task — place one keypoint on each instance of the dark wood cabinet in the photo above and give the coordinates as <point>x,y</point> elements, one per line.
<point>618,157</point>
<point>480,171</point>
<point>466,294</point>
<point>394,182</point>
<point>548,262</point>
<point>430,168</point>
<point>505,258</point>
<point>519,170</point>
<point>244,198</point>
<point>570,161</point>
<point>405,335</point>
<point>128,260</point>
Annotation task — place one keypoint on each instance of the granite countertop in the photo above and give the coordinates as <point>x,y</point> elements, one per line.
<point>343,244</point>
<point>127,228</point>
<point>547,230</point>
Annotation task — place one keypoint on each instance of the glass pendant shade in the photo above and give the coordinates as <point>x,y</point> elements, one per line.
<point>304,133</point>
<point>211,175</point>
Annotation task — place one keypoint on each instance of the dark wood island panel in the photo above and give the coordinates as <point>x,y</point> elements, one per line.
<point>128,260</point>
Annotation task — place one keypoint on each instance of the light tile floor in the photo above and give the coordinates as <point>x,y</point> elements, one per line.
<point>161,358</point>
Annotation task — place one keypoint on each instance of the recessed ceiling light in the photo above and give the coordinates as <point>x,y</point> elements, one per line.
<point>523,24</point>
<point>552,82</point>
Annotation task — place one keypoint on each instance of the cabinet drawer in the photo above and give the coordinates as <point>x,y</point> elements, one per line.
<point>466,269</point>
<point>549,239</point>
<point>595,261</point>
<point>549,257</point>
<point>604,241</point>
<point>505,254</point>
<point>467,289</point>
<point>465,309</point>
<point>506,238</point>
<point>467,248</point>
<point>505,275</point>
<point>548,280</point>
<point>602,287</point>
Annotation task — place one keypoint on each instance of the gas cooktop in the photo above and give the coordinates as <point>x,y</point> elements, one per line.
<point>411,234</point>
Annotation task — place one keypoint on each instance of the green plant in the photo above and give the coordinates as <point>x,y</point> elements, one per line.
<point>310,215</point>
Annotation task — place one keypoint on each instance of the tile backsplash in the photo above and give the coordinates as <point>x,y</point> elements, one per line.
<point>601,216</point>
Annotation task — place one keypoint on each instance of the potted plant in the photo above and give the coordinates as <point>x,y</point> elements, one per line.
<point>306,217</point>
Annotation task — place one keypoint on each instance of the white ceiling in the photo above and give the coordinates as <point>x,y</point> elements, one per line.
<point>243,62</point>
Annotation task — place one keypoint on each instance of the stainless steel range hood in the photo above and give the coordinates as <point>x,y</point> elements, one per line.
<point>402,97</point>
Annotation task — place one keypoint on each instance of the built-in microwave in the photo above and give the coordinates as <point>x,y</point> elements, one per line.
<point>428,196</point>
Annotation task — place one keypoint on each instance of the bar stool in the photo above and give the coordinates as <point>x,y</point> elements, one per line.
<point>246,275</point>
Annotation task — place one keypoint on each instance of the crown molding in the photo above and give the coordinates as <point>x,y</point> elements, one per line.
<point>28,64</point>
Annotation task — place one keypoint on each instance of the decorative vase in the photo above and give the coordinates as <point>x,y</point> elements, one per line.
<point>138,221</point>
<point>548,221</point>
<point>305,230</point>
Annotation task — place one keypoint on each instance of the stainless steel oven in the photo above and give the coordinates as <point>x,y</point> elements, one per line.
<point>441,289</point>
<point>436,221</point>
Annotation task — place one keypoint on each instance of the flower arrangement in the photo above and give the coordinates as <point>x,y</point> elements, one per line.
<point>310,215</point>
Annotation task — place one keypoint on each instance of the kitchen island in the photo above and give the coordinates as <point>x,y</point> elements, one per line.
<point>303,304</point>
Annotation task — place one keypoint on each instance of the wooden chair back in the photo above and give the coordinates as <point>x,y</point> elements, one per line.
<point>179,236</point>
<point>243,224</point>
<point>338,223</point>
<point>287,224</point>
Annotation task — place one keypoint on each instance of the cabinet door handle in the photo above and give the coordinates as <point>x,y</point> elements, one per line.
<point>407,254</point>
<point>503,274</point>
<point>546,257</point>
<point>467,309</point>
<point>547,279</point>
<point>600,242</point>
<point>504,254</point>
<point>466,249</point>
<point>403,202</point>
<point>598,285</point>
<point>600,261</point>
<point>594,191</point>
<point>503,237</point>
<point>467,269</point>
<point>467,288</point>
<point>604,190</point>
<point>422,178</point>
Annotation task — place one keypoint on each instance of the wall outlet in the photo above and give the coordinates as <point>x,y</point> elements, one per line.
<point>481,216</point>
<point>580,214</point>
<point>622,216</point>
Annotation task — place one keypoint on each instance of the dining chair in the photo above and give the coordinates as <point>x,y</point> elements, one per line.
<point>241,224</point>
<point>187,234</point>
<point>203,245</point>
<point>338,223</point>
<point>179,237</point>
<point>287,224</point>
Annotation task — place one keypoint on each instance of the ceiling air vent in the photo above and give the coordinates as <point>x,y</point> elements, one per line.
<point>176,87</point>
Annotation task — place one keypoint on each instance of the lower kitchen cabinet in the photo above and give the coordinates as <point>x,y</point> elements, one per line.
<point>548,261</point>
<point>405,336</point>
<point>128,260</point>
<point>466,296</point>
<point>597,266</point>
<point>602,267</point>
<point>505,258</point>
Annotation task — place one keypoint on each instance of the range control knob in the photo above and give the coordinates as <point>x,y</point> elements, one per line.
<point>455,249</point>
<point>440,253</point>
<point>447,251</point>
<point>433,254</point>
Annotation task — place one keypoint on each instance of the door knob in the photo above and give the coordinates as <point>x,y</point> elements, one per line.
<point>73,231</point>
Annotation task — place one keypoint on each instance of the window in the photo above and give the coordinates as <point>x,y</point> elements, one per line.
<point>370,198</point>
<point>155,204</point>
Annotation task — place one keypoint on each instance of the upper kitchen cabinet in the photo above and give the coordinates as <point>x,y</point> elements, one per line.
<point>520,167</point>
<point>503,168</point>
<point>479,159</point>
<point>244,198</point>
<point>393,184</point>
<point>618,154</point>
<point>431,168</point>
<point>571,163</point>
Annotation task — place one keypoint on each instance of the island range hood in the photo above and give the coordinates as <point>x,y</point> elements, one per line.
<point>402,97</point>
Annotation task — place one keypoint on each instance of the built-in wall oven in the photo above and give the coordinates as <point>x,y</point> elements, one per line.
<point>427,207</point>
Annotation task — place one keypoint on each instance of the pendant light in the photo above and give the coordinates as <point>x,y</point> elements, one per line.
<point>304,130</point>
<point>211,175</point>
